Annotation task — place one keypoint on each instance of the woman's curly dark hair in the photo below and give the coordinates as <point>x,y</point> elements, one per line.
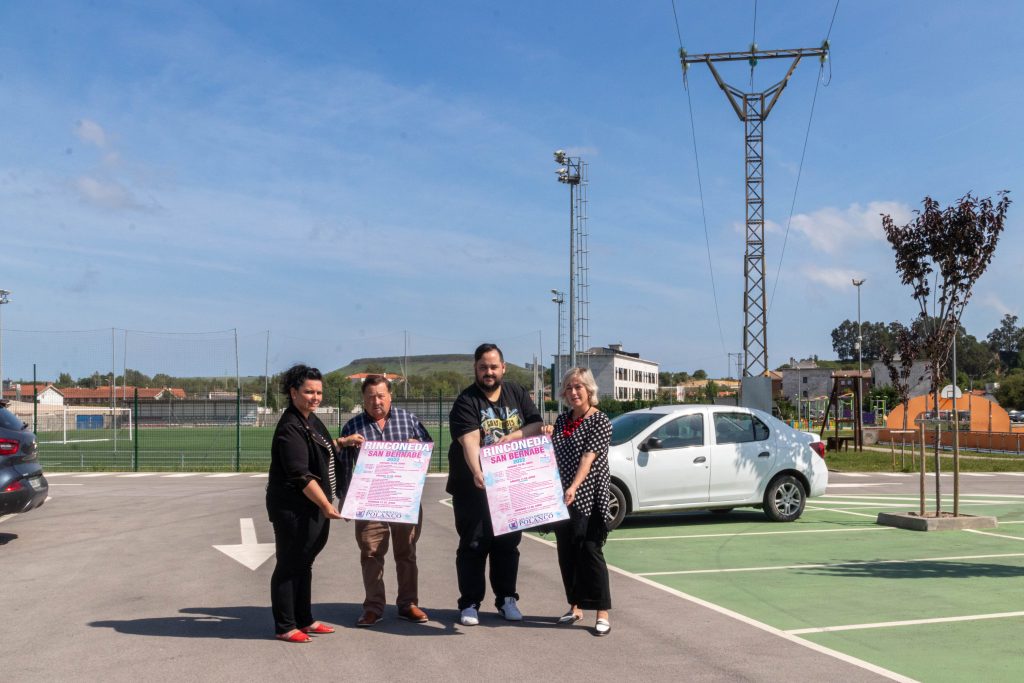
<point>295,376</point>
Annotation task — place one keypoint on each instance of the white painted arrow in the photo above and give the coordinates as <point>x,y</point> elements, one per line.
<point>249,553</point>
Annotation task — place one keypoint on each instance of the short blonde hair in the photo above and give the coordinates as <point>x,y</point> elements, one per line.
<point>586,378</point>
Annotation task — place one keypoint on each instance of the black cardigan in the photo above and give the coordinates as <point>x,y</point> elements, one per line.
<point>295,459</point>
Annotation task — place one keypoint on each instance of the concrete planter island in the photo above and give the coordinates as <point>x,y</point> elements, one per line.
<point>929,522</point>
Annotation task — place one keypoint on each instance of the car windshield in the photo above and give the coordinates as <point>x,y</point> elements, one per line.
<point>8,420</point>
<point>625,427</point>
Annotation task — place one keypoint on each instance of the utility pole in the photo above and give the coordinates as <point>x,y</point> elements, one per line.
<point>753,108</point>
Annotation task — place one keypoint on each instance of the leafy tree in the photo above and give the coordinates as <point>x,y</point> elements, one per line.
<point>1010,393</point>
<point>1007,340</point>
<point>700,374</point>
<point>64,380</point>
<point>947,249</point>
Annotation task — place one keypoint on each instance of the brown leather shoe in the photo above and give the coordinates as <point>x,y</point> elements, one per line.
<point>369,619</point>
<point>414,614</point>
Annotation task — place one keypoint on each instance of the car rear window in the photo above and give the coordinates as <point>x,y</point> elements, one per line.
<point>739,428</point>
<point>625,427</point>
<point>9,420</point>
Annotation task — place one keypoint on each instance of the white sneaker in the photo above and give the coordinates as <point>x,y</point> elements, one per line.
<point>510,610</point>
<point>469,617</point>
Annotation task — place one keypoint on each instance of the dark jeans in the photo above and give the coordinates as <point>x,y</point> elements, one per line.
<point>298,537</point>
<point>477,542</point>
<point>584,571</point>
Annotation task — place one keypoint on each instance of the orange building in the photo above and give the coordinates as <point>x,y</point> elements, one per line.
<point>985,415</point>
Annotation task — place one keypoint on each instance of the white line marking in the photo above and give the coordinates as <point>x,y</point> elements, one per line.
<point>908,622</point>
<point>259,476</point>
<point>91,474</point>
<point>59,484</point>
<point>1012,474</point>
<point>852,486</point>
<point>896,496</point>
<point>989,533</point>
<point>751,533</point>
<point>845,512</point>
<point>1014,522</point>
<point>859,563</point>
<point>900,502</point>
<point>179,475</point>
<point>57,474</point>
<point>848,474</point>
<point>222,475</point>
<point>6,517</point>
<point>975,474</point>
<point>137,474</point>
<point>892,474</point>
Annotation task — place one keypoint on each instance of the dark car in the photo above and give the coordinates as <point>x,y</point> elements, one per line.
<point>22,484</point>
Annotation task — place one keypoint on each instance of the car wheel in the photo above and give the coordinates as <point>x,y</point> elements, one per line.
<point>784,499</point>
<point>616,507</point>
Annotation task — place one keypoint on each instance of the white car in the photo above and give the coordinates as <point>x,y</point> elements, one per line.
<point>684,457</point>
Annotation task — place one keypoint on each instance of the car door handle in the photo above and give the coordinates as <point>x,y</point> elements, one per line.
<point>764,454</point>
<point>700,458</point>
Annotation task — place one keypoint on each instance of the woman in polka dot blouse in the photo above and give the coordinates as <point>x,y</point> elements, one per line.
<point>581,437</point>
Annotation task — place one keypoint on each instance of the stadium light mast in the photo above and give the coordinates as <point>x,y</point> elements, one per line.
<point>5,298</point>
<point>753,108</point>
<point>558,298</point>
<point>572,171</point>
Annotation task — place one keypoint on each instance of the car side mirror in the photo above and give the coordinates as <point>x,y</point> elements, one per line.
<point>651,443</point>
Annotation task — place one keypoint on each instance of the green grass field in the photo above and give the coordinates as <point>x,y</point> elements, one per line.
<point>179,449</point>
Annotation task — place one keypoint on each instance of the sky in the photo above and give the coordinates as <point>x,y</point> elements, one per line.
<point>349,179</point>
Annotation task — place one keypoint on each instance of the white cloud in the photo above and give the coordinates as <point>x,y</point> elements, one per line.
<point>834,278</point>
<point>91,132</point>
<point>108,194</point>
<point>831,229</point>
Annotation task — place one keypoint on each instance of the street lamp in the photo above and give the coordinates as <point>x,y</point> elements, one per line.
<point>558,298</point>
<point>860,386</point>
<point>569,173</point>
<point>5,298</point>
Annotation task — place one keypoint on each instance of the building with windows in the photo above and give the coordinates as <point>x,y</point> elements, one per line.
<point>620,375</point>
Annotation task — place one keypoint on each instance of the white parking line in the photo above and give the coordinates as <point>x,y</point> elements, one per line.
<point>137,474</point>
<point>976,474</point>
<point>845,512</point>
<point>841,656</point>
<point>50,475</point>
<point>908,622</point>
<point>179,475</point>
<point>855,486</point>
<point>989,533</point>
<point>259,476</point>
<point>222,474</point>
<point>751,533</point>
<point>859,563</point>
<point>92,474</point>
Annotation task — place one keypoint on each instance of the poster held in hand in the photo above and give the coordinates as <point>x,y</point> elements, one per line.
<point>387,482</point>
<point>522,483</point>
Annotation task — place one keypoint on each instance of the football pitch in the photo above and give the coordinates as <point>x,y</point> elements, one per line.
<point>195,449</point>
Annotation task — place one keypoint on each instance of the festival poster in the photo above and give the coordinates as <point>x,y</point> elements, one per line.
<point>522,483</point>
<point>387,482</point>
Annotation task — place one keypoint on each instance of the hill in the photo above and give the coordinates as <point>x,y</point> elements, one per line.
<point>458,363</point>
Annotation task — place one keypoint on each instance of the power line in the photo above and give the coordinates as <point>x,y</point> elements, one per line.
<point>700,189</point>
<point>800,169</point>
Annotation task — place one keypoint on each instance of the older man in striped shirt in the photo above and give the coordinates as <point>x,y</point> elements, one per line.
<point>380,421</point>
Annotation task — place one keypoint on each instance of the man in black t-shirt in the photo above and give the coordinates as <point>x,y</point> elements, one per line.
<point>487,412</point>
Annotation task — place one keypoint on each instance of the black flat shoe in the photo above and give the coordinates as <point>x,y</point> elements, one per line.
<point>569,617</point>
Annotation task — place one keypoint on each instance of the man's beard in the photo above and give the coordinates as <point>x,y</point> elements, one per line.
<point>497,384</point>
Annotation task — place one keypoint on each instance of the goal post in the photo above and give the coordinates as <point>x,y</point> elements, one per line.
<point>87,424</point>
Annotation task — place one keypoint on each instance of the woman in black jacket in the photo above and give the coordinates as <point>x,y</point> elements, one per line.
<point>300,495</point>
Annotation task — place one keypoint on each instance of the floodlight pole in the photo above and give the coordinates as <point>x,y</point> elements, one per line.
<point>753,108</point>
<point>859,415</point>
<point>570,173</point>
<point>5,298</point>
<point>558,298</point>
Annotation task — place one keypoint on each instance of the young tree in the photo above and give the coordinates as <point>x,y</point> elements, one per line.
<point>948,250</point>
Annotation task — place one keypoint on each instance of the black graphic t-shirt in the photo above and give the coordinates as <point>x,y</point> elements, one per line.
<point>471,411</point>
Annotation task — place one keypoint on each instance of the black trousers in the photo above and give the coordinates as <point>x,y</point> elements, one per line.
<point>581,559</point>
<point>299,536</point>
<point>477,542</point>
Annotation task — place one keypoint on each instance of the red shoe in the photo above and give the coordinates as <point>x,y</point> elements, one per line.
<point>317,627</point>
<point>295,636</point>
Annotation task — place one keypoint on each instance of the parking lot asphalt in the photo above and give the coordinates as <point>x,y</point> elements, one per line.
<point>116,578</point>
